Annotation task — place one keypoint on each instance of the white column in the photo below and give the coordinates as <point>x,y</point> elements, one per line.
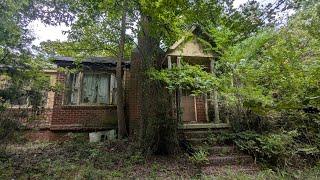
<point>169,62</point>
<point>179,93</point>
<point>179,61</point>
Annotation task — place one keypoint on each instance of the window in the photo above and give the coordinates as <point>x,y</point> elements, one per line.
<point>89,88</point>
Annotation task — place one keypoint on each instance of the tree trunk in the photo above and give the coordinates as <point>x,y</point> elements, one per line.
<point>122,130</point>
<point>214,96</point>
<point>158,131</point>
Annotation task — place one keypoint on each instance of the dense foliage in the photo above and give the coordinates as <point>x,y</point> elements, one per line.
<point>269,79</point>
<point>187,77</point>
<point>274,83</point>
<point>22,82</point>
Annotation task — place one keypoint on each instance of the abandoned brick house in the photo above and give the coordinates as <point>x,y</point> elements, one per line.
<point>87,101</point>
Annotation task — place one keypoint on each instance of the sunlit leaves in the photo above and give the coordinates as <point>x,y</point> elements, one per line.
<point>278,68</point>
<point>187,77</point>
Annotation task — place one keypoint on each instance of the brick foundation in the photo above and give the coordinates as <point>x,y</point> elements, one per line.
<point>45,136</point>
<point>29,119</point>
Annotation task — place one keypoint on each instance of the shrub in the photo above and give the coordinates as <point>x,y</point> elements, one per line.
<point>200,157</point>
<point>8,126</point>
<point>275,149</point>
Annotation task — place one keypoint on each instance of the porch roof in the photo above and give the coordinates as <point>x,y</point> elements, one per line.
<point>99,62</point>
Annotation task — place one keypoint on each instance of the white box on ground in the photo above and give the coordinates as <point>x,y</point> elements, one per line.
<point>102,135</point>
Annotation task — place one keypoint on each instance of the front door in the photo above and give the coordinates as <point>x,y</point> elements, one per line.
<point>188,105</point>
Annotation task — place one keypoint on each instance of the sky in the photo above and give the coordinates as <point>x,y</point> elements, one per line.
<point>44,32</point>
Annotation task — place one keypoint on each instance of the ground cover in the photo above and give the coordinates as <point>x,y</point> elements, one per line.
<point>78,159</point>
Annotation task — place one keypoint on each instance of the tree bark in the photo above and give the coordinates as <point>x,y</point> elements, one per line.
<point>122,130</point>
<point>158,133</point>
<point>214,96</point>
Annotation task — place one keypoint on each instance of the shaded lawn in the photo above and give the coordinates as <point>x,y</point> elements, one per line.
<point>82,160</point>
<point>78,159</point>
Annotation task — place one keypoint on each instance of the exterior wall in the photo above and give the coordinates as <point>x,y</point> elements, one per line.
<point>30,119</point>
<point>78,117</point>
<point>201,114</point>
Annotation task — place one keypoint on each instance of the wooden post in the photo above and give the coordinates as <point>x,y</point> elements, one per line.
<point>195,108</point>
<point>169,62</point>
<point>173,100</point>
<point>178,61</point>
<point>178,94</point>
<point>214,95</point>
<point>78,86</point>
<point>205,96</point>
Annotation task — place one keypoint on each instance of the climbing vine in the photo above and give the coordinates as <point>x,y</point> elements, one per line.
<point>187,77</point>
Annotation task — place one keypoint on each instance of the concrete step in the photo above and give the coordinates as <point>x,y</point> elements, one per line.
<point>230,160</point>
<point>221,150</point>
<point>218,150</point>
<point>204,126</point>
<point>227,169</point>
<point>197,134</point>
<point>200,142</point>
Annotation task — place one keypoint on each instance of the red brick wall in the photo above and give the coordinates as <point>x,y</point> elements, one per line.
<point>201,114</point>
<point>29,119</point>
<point>71,117</point>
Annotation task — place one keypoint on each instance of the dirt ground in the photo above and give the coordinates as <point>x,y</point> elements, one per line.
<point>75,158</point>
<point>78,159</point>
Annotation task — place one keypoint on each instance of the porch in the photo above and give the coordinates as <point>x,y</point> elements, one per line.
<point>202,111</point>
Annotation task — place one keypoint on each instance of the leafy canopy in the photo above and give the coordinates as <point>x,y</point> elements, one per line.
<point>278,69</point>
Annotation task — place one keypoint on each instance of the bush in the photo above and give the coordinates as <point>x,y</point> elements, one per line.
<point>275,149</point>
<point>8,126</point>
<point>200,157</point>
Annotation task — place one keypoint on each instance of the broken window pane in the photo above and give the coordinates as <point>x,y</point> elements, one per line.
<point>72,88</point>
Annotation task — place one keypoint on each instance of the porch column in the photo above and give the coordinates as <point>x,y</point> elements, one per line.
<point>179,61</point>
<point>205,96</point>
<point>178,95</point>
<point>169,62</point>
<point>214,95</point>
<point>173,98</point>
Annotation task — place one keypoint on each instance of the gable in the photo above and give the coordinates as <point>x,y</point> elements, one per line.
<point>191,45</point>
<point>191,48</point>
